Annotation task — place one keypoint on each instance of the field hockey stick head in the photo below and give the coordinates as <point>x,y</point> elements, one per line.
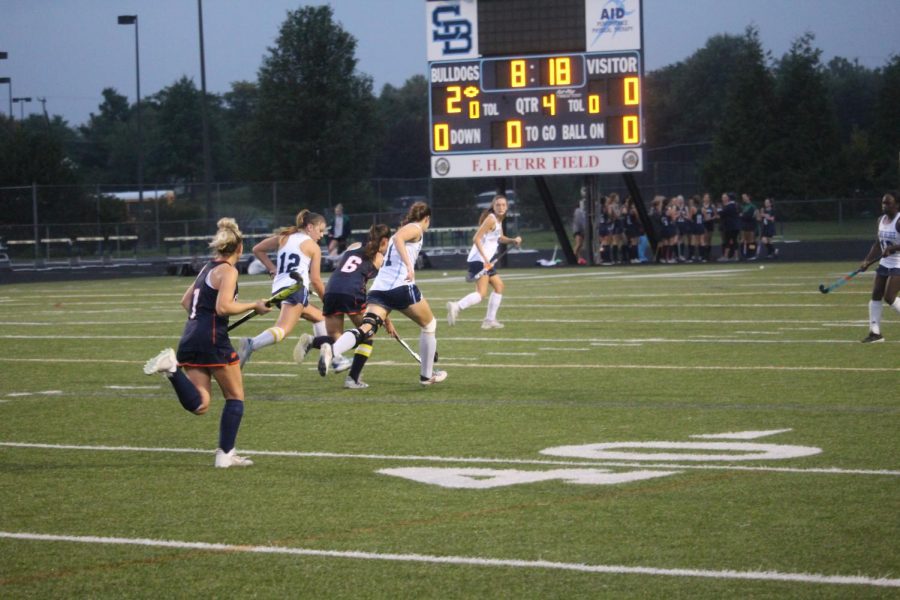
<point>822,288</point>
<point>288,290</point>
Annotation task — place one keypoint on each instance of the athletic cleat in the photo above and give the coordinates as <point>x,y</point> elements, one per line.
<point>164,362</point>
<point>491,324</point>
<point>303,345</point>
<point>230,459</point>
<point>326,355</point>
<point>452,313</point>
<point>350,384</point>
<point>245,349</point>
<point>872,338</point>
<point>436,377</point>
<point>339,365</point>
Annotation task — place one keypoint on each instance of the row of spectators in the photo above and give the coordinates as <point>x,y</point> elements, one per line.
<point>684,229</point>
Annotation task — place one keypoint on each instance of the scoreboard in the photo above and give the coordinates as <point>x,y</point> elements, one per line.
<point>562,95</point>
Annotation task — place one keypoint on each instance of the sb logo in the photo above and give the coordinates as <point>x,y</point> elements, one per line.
<point>454,32</point>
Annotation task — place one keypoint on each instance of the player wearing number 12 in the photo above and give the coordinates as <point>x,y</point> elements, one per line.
<point>887,277</point>
<point>484,248</point>
<point>205,351</point>
<point>297,251</point>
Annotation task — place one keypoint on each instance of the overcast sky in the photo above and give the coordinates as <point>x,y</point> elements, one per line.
<point>67,51</point>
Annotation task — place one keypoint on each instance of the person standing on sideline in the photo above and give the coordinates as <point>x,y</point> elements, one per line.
<point>339,231</point>
<point>887,275</point>
<point>204,351</point>
<point>749,218</point>
<point>395,288</point>
<point>297,250</point>
<point>345,294</point>
<point>731,227</point>
<point>486,242</point>
<point>579,227</point>
<point>767,217</point>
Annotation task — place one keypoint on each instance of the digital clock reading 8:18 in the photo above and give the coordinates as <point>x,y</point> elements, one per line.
<point>536,102</point>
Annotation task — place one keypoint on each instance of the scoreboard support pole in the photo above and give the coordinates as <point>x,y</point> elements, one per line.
<point>635,193</point>
<point>500,188</point>
<point>555,220</point>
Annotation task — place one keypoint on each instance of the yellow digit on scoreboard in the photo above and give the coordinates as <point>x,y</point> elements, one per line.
<point>630,133</point>
<point>560,71</point>
<point>632,93</point>
<point>441,137</point>
<point>517,73</point>
<point>514,134</point>
<point>549,102</point>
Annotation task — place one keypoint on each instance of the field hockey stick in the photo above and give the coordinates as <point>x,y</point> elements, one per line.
<point>412,352</point>
<point>845,278</point>
<point>483,272</point>
<point>276,298</point>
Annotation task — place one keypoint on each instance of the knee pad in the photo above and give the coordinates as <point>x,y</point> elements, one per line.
<point>374,321</point>
<point>431,327</point>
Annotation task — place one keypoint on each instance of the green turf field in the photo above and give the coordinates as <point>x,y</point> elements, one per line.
<point>562,458</point>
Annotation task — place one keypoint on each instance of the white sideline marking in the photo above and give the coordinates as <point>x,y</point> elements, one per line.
<point>467,560</point>
<point>512,353</point>
<point>740,435</point>
<point>132,387</point>
<point>455,459</point>
<point>391,363</point>
<point>44,393</point>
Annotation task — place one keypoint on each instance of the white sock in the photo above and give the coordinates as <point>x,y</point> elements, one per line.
<point>319,329</point>
<point>493,306</point>
<point>875,316</point>
<point>270,336</point>
<point>343,343</point>
<point>470,300</point>
<point>427,348</point>
<point>896,304</point>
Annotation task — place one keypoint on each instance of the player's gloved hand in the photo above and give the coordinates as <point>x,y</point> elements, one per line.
<point>261,307</point>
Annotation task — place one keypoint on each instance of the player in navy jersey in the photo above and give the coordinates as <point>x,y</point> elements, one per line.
<point>710,216</point>
<point>485,244</point>
<point>345,294</point>
<point>887,277</point>
<point>205,352</point>
<point>395,288</point>
<point>767,219</point>
<point>297,250</point>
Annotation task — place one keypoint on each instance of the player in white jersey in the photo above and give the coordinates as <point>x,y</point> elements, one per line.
<point>298,251</point>
<point>481,267</point>
<point>395,288</point>
<point>887,276</point>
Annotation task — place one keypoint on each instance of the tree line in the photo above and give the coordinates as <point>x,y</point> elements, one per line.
<point>792,126</point>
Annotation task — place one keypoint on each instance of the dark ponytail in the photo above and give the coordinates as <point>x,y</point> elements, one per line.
<point>377,233</point>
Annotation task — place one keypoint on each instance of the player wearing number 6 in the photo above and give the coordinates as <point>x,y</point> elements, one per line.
<point>887,276</point>
<point>395,288</point>
<point>205,351</point>
<point>298,251</point>
<point>345,294</point>
<point>484,248</point>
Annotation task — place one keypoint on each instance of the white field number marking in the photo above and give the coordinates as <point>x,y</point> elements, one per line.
<point>479,479</point>
<point>482,479</point>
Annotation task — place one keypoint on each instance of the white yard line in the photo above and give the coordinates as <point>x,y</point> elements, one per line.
<point>474,561</point>
<point>391,363</point>
<point>464,460</point>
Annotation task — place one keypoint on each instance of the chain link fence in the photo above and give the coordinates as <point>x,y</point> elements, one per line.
<point>104,222</point>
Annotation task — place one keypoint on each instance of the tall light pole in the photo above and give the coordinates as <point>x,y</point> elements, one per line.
<point>21,102</point>
<point>133,20</point>
<point>207,159</point>
<point>7,80</point>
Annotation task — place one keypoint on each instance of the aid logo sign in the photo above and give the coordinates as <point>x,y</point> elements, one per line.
<point>612,25</point>
<point>452,29</point>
